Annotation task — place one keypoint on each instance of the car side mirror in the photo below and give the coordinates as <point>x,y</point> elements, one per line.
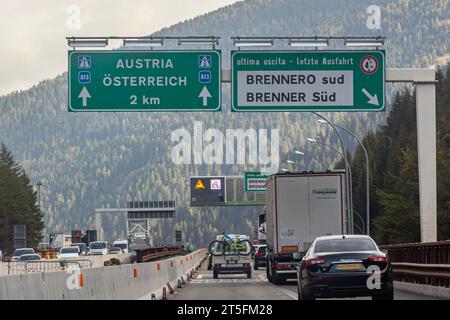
<point>262,230</point>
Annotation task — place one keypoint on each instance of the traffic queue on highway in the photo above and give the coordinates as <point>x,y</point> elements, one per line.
<point>74,250</point>
<point>333,266</point>
<point>305,236</point>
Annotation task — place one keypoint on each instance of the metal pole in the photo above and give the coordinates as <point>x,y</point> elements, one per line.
<point>367,176</point>
<point>349,201</point>
<point>360,219</point>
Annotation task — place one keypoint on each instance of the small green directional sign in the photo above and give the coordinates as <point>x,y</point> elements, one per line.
<point>308,80</point>
<point>144,80</point>
<point>255,181</point>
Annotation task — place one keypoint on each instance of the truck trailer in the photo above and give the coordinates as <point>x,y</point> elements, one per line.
<point>300,206</point>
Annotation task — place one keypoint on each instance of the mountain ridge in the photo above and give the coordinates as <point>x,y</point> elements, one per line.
<point>84,161</point>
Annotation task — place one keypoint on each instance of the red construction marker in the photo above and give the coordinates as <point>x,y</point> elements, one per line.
<point>81,281</point>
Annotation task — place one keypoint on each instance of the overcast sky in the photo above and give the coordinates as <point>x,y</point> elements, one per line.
<point>32,33</point>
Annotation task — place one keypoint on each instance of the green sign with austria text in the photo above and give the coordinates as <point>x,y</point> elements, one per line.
<point>308,80</point>
<point>118,80</point>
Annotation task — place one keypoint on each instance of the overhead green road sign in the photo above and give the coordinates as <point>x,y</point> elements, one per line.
<point>308,80</point>
<point>144,80</point>
<point>255,181</point>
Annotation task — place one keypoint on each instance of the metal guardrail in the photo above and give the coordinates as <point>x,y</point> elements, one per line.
<point>423,263</point>
<point>153,253</point>
<point>46,265</point>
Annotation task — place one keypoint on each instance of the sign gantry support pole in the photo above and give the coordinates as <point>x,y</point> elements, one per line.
<point>424,81</point>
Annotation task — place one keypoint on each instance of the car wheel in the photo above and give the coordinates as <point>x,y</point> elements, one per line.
<point>302,295</point>
<point>269,277</point>
<point>277,280</point>
<point>215,275</point>
<point>387,295</point>
<point>249,274</point>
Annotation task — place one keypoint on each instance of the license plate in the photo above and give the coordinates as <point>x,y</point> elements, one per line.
<point>232,265</point>
<point>289,248</point>
<point>349,266</point>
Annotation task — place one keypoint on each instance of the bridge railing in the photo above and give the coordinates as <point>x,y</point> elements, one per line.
<point>153,253</point>
<point>423,263</point>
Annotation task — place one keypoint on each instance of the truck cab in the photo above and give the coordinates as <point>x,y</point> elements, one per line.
<point>232,261</point>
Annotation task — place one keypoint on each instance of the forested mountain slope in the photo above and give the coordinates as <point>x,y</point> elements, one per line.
<point>87,161</point>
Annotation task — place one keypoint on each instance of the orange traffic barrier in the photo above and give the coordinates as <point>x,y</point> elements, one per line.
<point>81,281</point>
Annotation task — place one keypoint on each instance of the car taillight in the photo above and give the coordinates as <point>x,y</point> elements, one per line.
<point>378,258</point>
<point>258,254</point>
<point>216,265</point>
<point>314,261</point>
<point>246,264</point>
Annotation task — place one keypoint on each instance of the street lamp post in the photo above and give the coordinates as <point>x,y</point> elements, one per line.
<point>367,173</point>
<point>295,165</point>
<point>318,160</point>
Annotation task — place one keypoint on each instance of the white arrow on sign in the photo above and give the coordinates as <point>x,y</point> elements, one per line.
<point>205,95</point>
<point>84,94</point>
<point>372,99</point>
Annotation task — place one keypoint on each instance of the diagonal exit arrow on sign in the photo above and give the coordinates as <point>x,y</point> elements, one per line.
<point>372,99</point>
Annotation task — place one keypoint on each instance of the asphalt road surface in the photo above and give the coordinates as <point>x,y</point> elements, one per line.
<point>238,287</point>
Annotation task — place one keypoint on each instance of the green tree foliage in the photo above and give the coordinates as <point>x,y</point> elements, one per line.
<point>17,202</point>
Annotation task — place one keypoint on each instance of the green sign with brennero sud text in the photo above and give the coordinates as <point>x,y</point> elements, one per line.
<point>144,80</point>
<point>308,80</point>
<point>255,181</point>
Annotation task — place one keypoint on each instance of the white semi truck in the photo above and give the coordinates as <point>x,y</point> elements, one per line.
<point>299,208</point>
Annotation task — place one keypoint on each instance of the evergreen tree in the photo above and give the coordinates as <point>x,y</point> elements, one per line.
<point>17,203</point>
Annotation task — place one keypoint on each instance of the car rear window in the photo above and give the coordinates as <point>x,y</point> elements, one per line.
<point>70,250</point>
<point>344,245</point>
<point>20,252</point>
<point>262,249</point>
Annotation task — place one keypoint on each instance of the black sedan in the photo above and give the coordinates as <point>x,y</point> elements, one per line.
<point>344,266</point>
<point>260,257</point>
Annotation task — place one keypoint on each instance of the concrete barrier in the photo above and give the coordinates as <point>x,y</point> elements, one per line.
<point>124,282</point>
<point>97,261</point>
<point>432,291</point>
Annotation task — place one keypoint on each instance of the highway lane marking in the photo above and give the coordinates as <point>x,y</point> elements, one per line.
<point>262,276</point>
<point>289,293</point>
